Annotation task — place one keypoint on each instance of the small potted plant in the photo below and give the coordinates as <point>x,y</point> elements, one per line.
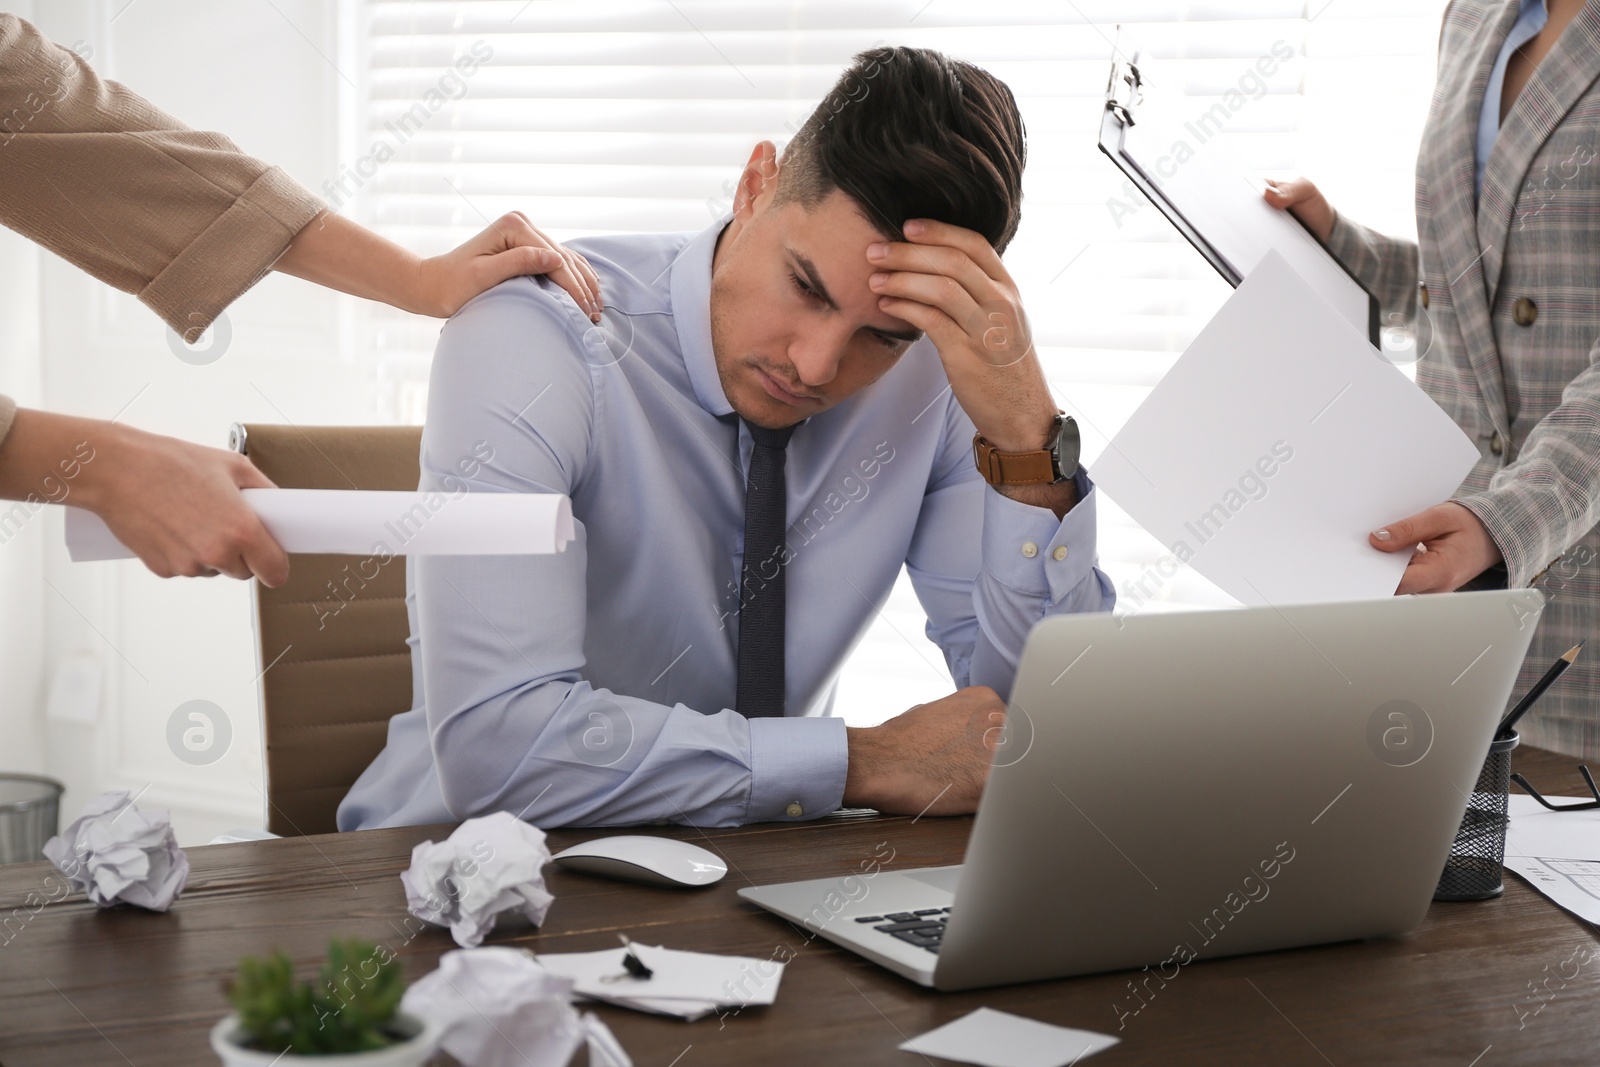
<point>348,1016</point>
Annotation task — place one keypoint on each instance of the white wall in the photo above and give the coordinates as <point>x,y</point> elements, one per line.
<point>264,74</point>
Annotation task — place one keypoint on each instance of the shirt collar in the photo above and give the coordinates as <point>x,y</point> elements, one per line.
<point>691,316</point>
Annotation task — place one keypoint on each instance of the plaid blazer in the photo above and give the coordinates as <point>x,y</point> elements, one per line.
<point>1505,297</point>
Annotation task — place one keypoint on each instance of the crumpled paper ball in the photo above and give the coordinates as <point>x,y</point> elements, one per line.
<point>118,854</point>
<point>499,1008</point>
<point>487,866</point>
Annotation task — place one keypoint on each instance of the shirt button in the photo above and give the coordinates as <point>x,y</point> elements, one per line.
<point>794,810</point>
<point>1060,553</point>
<point>1030,549</point>
<point>1524,311</point>
<point>1424,296</point>
<point>1497,444</point>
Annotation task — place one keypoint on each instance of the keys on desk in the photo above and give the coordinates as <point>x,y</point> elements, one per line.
<point>923,927</point>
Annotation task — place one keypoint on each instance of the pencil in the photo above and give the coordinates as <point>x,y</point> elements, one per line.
<point>1556,670</point>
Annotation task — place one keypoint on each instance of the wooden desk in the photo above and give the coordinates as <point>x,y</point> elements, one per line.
<point>82,986</point>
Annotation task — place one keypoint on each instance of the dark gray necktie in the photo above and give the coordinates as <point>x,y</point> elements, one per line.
<point>761,600</point>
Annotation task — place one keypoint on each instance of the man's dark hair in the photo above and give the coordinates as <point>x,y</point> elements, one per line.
<point>910,133</point>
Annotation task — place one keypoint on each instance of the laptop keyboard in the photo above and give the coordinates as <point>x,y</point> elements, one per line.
<point>923,927</point>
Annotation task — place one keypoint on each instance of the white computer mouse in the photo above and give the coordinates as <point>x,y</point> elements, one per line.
<point>651,860</point>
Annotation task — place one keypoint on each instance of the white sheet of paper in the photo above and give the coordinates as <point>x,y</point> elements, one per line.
<point>999,1039</point>
<point>1276,443</point>
<point>1219,194</point>
<point>687,1010</point>
<point>371,523</point>
<point>588,968</point>
<point>687,984</point>
<point>1558,853</point>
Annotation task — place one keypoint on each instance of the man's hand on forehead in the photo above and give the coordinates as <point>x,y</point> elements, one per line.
<point>950,283</point>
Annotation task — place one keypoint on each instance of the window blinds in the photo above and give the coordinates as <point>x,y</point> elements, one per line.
<point>598,116</point>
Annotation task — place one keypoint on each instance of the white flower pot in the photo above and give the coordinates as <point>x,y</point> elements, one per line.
<point>424,1041</point>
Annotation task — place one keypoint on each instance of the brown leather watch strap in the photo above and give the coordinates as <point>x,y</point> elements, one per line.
<point>1012,468</point>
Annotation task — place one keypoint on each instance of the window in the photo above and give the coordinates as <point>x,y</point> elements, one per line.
<point>627,115</point>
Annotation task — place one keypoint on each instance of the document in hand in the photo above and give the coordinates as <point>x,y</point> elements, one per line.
<point>1217,195</point>
<point>361,523</point>
<point>1276,443</point>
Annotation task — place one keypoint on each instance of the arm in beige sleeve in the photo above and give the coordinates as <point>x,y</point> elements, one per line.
<point>99,176</point>
<point>187,222</point>
<point>176,505</point>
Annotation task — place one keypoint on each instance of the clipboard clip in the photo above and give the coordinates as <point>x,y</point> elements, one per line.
<point>1124,89</point>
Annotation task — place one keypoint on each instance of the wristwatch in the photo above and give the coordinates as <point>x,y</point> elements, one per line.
<point>1055,462</point>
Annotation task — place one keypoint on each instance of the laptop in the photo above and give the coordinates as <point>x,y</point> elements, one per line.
<point>1193,785</point>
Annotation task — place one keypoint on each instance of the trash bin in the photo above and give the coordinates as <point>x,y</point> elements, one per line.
<point>29,806</point>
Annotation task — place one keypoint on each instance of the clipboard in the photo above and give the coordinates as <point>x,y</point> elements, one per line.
<point>1205,191</point>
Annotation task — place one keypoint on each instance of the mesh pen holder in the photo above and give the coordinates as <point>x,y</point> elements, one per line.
<point>1474,870</point>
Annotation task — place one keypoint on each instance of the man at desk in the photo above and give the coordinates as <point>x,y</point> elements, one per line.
<point>774,415</point>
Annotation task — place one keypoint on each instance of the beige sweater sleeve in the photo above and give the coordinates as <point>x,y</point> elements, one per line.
<point>99,176</point>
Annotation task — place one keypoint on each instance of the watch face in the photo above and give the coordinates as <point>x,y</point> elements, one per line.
<point>1066,448</point>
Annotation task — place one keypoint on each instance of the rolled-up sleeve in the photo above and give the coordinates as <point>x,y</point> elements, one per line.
<point>178,217</point>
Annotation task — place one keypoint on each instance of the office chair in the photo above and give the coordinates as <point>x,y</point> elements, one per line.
<point>332,639</point>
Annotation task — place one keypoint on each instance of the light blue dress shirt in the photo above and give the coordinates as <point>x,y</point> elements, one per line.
<point>1530,20</point>
<point>594,687</point>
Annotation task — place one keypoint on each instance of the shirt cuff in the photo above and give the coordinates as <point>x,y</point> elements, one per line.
<point>8,412</point>
<point>1028,549</point>
<point>797,768</point>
